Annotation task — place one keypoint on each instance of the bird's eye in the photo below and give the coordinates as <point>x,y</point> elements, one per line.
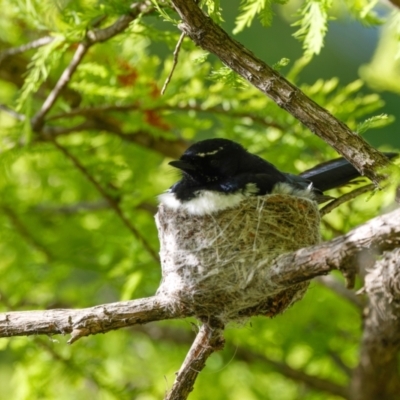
<point>215,163</point>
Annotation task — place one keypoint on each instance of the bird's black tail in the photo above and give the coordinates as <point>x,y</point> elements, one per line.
<point>334,173</point>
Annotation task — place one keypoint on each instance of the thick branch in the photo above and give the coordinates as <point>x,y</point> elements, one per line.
<point>377,375</point>
<point>87,321</point>
<point>211,37</point>
<point>208,340</point>
<point>380,233</point>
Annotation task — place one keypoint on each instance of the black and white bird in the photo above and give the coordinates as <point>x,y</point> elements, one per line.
<point>218,174</point>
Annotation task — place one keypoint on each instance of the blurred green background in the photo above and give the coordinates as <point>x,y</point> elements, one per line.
<point>63,246</point>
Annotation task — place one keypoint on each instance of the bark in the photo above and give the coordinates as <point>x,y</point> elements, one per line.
<point>381,233</point>
<point>211,37</point>
<point>87,321</point>
<point>377,375</point>
<point>208,340</point>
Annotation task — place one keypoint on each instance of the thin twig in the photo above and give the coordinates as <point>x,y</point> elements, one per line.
<point>313,382</point>
<point>208,340</point>
<point>92,37</point>
<point>174,62</point>
<point>93,377</point>
<point>336,286</point>
<point>24,232</point>
<point>340,363</point>
<point>346,197</point>
<point>87,206</point>
<point>245,354</point>
<point>113,203</point>
<point>25,47</point>
<point>10,111</point>
<point>167,147</point>
<point>58,131</point>
<point>91,206</point>
<point>98,110</point>
<point>65,77</point>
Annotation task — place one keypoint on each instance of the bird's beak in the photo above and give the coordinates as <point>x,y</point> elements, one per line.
<point>182,165</point>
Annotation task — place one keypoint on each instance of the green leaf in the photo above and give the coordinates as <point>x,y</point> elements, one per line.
<point>248,11</point>
<point>313,25</point>
<point>228,77</point>
<point>39,69</point>
<point>163,13</point>
<point>377,121</point>
<point>363,10</point>
<point>280,64</point>
<point>213,9</point>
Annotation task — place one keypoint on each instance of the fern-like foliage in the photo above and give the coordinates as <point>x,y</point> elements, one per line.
<point>228,77</point>
<point>249,9</point>
<point>363,11</point>
<point>377,121</point>
<point>213,9</point>
<point>313,25</point>
<point>39,68</point>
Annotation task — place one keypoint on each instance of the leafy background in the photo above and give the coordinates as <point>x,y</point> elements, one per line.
<point>63,246</point>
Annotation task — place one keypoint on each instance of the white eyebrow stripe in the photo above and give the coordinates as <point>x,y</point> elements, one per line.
<point>210,153</point>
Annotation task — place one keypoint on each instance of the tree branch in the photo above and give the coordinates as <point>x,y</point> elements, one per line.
<point>313,382</point>
<point>94,377</point>
<point>37,120</point>
<point>336,286</point>
<point>100,110</point>
<point>87,321</point>
<point>86,206</point>
<point>381,233</point>
<point>208,340</point>
<point>24,232</point>
<point>113,203</point>
<point>92,37</point>
<point>377,375</point>
<point>174,63</point>
<point>346,197</point>
<point>25,47</point>
<point>211,37</point>
<point>170,148</point>
<point>247,355</point>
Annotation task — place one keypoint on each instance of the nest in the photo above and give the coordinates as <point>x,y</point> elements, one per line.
<point>214,265</point>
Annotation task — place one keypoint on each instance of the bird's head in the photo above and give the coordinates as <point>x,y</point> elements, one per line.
<point>210,160</point>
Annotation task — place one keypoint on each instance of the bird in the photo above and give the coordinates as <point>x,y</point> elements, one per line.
<point>218,173</point>
<point>227,218</point>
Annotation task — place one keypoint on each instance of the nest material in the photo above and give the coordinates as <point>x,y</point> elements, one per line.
<point>215,264</point>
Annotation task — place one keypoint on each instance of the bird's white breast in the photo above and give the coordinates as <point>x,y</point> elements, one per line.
<point>208,201</point>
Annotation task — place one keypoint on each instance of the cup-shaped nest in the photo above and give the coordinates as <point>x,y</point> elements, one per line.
<point>215,265</point>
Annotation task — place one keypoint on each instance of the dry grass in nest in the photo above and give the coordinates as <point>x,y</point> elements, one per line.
<point>215,264</point>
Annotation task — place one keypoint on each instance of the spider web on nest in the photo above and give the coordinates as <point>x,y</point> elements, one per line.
<point>215,264</point>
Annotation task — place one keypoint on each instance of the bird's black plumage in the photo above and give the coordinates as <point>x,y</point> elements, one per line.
<point>223,172</point>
